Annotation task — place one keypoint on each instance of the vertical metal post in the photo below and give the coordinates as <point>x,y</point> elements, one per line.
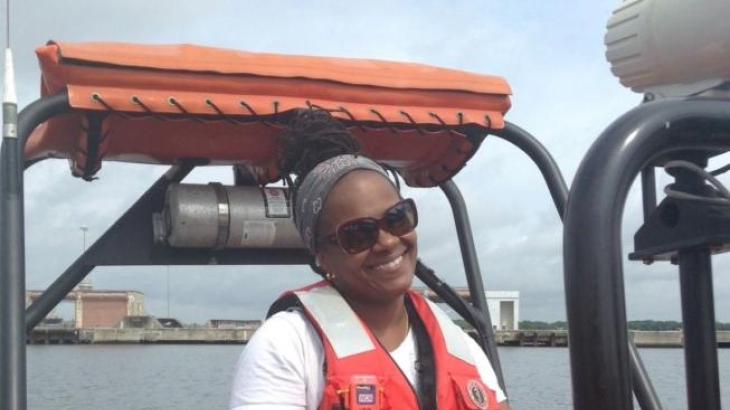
<point>12,278</point>
<point>698,311</point>
<point>473,274</point>
<point>648,190</point>
<point>12,251</point>
<point>700,340</point>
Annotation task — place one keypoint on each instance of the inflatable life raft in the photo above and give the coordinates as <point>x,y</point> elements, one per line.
<point>163,104</point>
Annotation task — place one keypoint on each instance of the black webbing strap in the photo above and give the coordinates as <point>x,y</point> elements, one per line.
<point>287,302</point>
<point>426,362</point>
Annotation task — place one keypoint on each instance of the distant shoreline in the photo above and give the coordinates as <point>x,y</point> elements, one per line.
<point>522,337</point>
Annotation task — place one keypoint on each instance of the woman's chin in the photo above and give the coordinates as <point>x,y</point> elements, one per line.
<point>393,284</point>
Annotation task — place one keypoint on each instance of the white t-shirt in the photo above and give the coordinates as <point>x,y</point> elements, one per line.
<point>281,366</point>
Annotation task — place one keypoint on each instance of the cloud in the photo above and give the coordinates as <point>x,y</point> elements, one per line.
<point>551,53</point>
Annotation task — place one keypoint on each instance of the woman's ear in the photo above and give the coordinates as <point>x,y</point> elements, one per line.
<point>321,261</point>
<point>320,266</point>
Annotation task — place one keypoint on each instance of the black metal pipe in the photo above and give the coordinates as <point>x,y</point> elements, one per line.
<point>648,190</point>
<point>75,273</point>
<point>700,340</point>
<point>448,295</point>
<point>698,314</point>
<point>39,112</point>
<point>473,274</point>
<point>12,252</point>
<point>12,279</point>
<point>643,388</point>
<point>645,393</point>
<point>542,158</point>
<point>594,285</point>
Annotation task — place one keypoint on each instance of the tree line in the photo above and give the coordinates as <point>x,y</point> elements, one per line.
<point>633,325</point>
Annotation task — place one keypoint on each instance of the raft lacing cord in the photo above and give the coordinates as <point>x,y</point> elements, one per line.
<point>279,122</point>
<point>723,195</point>
<point>175,103</point>
<point>94,140</point>
<point>354,122</point>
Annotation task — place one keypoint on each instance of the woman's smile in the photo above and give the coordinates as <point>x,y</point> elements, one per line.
<point>387,265</point>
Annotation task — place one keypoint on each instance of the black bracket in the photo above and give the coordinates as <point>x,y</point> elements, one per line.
<point>682,225</point>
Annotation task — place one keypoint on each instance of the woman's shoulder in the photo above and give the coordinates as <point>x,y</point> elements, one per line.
<point>284,352</point>
<point>288,327</point>
<point>287,335</point>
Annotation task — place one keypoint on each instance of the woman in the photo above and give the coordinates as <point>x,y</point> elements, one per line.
<point>359,339</point>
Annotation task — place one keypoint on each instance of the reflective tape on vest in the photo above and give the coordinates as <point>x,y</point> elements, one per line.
<point>453,335</point>
<point>336,320</point>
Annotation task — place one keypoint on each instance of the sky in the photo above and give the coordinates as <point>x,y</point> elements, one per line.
<point>551,53</point>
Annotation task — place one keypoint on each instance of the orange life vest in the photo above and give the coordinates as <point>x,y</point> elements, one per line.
<point>360,373</point>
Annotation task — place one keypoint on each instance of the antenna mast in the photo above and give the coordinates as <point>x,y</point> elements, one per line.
<point>10,98</point>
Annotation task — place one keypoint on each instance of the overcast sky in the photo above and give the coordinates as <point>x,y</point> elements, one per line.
<point>551,52</point>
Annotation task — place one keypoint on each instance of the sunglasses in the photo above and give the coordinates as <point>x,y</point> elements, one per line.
<point>361,234</point>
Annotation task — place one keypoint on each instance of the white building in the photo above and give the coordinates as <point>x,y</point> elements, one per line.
<point>504,309</point>
<point>503,305</point>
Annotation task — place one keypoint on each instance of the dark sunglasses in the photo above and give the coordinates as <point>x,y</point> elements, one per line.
<point>361,234</point>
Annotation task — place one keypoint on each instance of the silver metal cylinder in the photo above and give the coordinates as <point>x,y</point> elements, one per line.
<point>216,216</point>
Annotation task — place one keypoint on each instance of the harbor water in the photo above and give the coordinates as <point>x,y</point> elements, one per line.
<point>199,376</point>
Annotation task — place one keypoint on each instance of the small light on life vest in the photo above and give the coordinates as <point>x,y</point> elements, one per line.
<point>364,393</point>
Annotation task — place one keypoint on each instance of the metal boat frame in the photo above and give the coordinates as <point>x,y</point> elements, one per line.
<point>605,364</point>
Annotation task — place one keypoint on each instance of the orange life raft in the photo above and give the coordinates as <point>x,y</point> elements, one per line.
<point>162,104</point>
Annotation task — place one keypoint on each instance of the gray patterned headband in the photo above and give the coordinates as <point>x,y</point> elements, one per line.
<point>313,191</point>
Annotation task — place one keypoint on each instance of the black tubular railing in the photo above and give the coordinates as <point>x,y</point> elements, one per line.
<point>618,356</point>
<point>645,393</point>
<point>600,357</point>
<point>473,276</point>
<point>12,252</point>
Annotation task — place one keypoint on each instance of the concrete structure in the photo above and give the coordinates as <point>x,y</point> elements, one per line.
<point>504,306</point>
<point>538,338</point>
<point>139,322</point>
<point>234,324</point>
<point>100,308</point>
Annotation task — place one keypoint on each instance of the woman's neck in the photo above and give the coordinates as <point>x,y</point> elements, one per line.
<point>387,320</point>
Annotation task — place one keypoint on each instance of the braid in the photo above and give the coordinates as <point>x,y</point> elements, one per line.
<point>313,136</point>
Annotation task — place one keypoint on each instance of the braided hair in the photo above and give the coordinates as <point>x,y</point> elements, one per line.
<point>313,136</point>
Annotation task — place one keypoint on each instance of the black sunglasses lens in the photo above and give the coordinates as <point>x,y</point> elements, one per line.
<point>359,235</point>
<point>401,219</point>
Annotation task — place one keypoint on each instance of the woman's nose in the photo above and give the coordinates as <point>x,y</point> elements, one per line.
<point>386,240</point>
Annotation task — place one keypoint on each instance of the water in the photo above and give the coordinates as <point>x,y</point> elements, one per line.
<point>198,376</point>
<point>539,378</point>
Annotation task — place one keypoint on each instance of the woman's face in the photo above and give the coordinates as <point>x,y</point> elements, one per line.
<point>382,272</point>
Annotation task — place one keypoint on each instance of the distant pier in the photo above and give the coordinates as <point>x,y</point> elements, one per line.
<point>559,338</point>
<point>523,338</point>
<point>139,336</point>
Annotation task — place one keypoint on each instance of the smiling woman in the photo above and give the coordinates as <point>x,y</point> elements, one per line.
<point>359,339</point>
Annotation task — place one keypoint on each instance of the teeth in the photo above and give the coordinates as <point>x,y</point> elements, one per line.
<point>390,265</point>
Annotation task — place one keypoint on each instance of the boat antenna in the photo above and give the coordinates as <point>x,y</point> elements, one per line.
<point>10,98</point>
<point>7,23</point>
